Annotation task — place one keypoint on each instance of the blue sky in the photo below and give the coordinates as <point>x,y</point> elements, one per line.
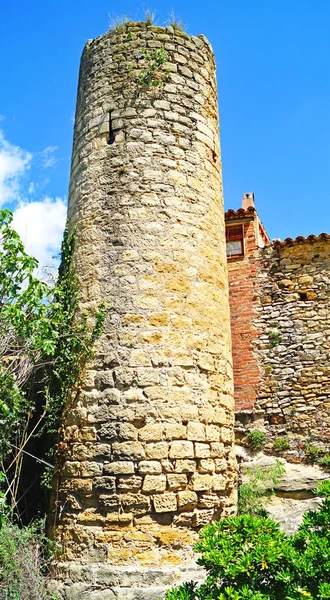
<point>274,95</point>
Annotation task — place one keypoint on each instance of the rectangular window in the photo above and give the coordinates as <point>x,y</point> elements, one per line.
<point>234,241</point>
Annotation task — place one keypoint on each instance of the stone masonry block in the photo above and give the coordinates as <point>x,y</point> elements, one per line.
<point>151,433</point>
<point>185,466</point>
<point>119,468</point>
<point>202,450</point>
<point>165,503</point>
<point>181,449</point>
<point>128,450</point>
<point>150,467</point>
<point>200,482</point>
<point>154,484</point>
<point>177,481</point>
<point>187,500</point>
<point>157,451</point>
<point>175,431</point>
<point>196,431</point>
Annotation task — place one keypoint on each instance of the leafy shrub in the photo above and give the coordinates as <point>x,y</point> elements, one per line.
<point>281,444</point>
<point>249,558</point>
<point>274,338</point>
<point>22,562</point>
<point>260,485</point>
<point>256,438</point>
<point>312,452</point>
<point>154,62</point>
<point>325,461</point>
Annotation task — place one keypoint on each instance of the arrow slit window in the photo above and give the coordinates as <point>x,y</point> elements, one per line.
<point>235,241</point>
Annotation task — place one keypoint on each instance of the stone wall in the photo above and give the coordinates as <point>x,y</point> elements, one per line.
<point>293,346</point>
<point>150,437</point>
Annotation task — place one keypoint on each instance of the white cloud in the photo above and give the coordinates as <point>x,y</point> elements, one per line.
<point>39,221</point>
<point>47,156</point>
<point>14,161</point>
<point>40,225</point>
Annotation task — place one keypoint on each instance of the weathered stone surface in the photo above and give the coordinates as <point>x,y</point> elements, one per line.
<point>187,500</point>
<point>165,503</point>
<point>145,195</point>
<point>181,449</point>
<point>154,484</point>
<point>289,512</point>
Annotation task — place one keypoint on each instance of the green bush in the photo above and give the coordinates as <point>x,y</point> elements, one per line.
<point>23,561</point>
<point>325,461</point>
<point>256,438</point>
<point>249,558</point>
<point>281,444</point>
<point>312,452</point>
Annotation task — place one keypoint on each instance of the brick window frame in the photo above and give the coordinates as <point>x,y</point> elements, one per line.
<point>235,240</point>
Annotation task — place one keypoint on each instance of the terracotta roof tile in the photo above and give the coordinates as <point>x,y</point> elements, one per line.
<point>240,213</point>
<point>301,239</point>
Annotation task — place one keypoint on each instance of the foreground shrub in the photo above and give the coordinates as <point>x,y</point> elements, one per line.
<point>249,558</point>
<point>22,563</point>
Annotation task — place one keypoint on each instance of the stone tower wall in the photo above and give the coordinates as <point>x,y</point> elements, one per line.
<point>150,436</point>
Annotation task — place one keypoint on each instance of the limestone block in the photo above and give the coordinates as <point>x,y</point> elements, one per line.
<point>185,466</point>
<point>181,449</point>
<point>104,484</point>
<point>149,467</point>
<point>175,431</point>
<point>151,433</point>
<point>209,501</point>
<point>71,469</point>
<point>108,431</point>
<point>83,486</point>
<point>200,482</point>
<point>206,465</point>
<point>202,450</point>
<point>187,500</point>
<point>165,503</point>
<point>221,465</point>
<point>226,435</point>
<point>218,483</point>
<point>133,395</point>
<point>126,432</point>
<point>196,431</point>
<point>212,433</point>
<point>176,481</point>
<point>111,396</point>
<point>90,469</point>
<point>158,450</point>
<point>128,450</point>
<point>217,450</point>
<point>136,503</point>
<point>129,483</point>
<point>119,468</point>
<point>91,451</point>
<point>154,484</point>
<point>202,517</point>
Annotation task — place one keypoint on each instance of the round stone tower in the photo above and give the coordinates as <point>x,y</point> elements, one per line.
<point>150,436</point>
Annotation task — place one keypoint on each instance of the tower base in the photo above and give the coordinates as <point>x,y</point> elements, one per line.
<point>97,581</point>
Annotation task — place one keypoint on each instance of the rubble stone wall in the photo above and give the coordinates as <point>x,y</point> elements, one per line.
<point>293,347</point>
<point>150,437</point>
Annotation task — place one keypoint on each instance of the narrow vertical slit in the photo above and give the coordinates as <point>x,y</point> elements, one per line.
<point>112,138</point>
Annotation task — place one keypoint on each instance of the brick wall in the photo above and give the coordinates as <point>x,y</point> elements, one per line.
<point>244,301</point>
